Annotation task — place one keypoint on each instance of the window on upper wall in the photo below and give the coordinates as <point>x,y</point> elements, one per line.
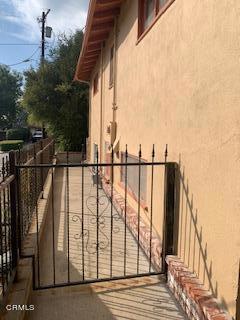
<point>148,11</point>
<point>111,67</point>
<point>95,84</point>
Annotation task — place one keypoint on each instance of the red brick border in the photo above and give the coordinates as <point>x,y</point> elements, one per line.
<point>132,223</point>
<point>198,303</point>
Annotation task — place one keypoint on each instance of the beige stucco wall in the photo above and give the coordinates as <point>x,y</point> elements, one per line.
<point>180,85</point>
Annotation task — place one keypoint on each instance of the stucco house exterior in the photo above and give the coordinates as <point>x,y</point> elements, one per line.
<point>167,72</point>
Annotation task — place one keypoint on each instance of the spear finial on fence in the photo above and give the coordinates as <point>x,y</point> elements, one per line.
<point>126,153</point>
<point>140,151</point>
<point>112,152</point>
<point>153,152</point>
<point>97,153</point>
<point>166,153</point>
<point>82,152</point>
<point>180,161</point>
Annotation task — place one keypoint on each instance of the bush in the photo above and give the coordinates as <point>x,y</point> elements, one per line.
<point>18,134</point>
<point>8,145</point>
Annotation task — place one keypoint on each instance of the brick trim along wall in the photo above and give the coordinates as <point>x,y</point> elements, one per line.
<point>197,302</point>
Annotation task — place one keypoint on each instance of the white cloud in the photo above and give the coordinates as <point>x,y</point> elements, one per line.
<point>63,17</point>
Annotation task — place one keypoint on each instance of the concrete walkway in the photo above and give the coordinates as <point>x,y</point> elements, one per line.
<point>72,250</point>
<point>140,299</point>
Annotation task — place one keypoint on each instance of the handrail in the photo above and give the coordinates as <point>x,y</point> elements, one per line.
<point>38,153</point>
<point>74,165</point>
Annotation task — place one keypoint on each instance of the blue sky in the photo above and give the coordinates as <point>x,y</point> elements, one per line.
<point>18,24</point>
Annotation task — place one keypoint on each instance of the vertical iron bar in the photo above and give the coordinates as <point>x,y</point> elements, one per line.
<point>13,207</point>
<point>125,211</point>
<point>36,210</point>
<point>83,262</point>
<point>53,155</point>
<point>19,202</point>
<point>19,215</point>
<point>68,240</point>
<point>1,244</point>
<point>111,231</point>
<point>3,169</point>
<point>33,272</point>
<point>82,160</point>
<point>19,156</point>
<point>28,201</point>
<point>151,210</point>
<point>41,160</point>
<point>5,220</point>
<point>53,230</point>
<point>139,202</point>
<point>97,216</point>
<point>49,154</point>
<point>9,221</point>
<point>165,212</point>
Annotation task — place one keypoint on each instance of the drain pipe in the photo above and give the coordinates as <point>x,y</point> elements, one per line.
<point>101,106</point>
<point>114,102</point>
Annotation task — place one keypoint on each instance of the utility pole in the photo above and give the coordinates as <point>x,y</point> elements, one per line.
<point>42,20</point>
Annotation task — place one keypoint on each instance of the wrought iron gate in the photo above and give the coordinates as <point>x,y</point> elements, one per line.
<point>100,226</point>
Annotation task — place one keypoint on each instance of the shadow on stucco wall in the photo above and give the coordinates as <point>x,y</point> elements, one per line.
<point>192,249</point>
<point>238,297</point>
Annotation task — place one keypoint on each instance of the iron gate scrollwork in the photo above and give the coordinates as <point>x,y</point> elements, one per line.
<point>91,203</point>
<point>108,234</point>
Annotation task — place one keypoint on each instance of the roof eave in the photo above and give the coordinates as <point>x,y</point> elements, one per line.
<point>100,21</point>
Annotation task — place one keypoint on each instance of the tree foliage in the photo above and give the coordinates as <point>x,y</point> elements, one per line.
<point>10,93</point>
<point>53,98</point>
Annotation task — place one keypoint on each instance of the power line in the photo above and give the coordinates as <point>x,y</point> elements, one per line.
<point>9,16</point>
<point>19,44</point>
<point>15,64</point>
<point>25,60</point>
<point>34,52</point>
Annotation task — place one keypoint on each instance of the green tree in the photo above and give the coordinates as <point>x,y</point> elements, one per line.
<point>10,93</point>
<point>51,96</point>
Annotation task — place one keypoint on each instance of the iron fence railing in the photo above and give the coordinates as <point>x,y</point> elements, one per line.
<point>7,223</point>
<point>31,182</point>
<point>38,153</point>
<point>4,167</point>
